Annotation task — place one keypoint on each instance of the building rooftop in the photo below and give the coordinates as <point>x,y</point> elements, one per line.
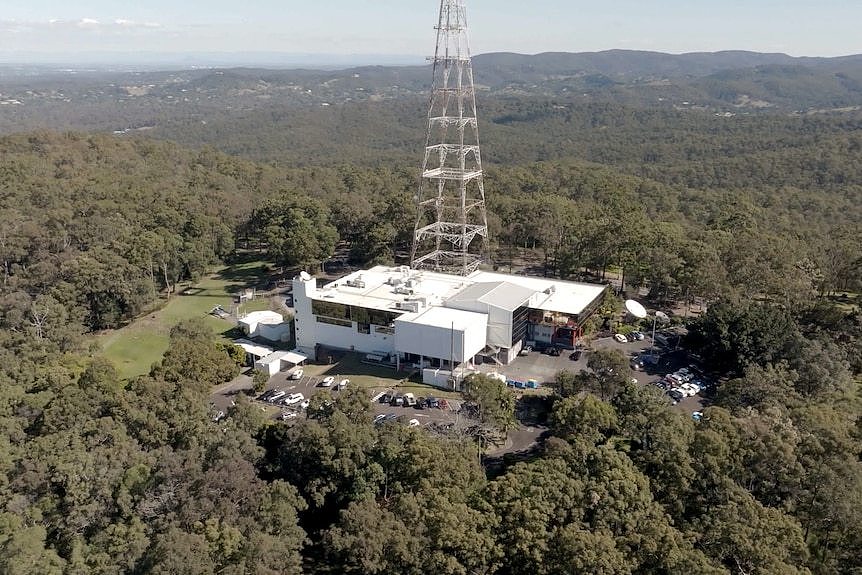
<point>264,317</point>
<point>387,288</point>
<point>549,294</point>
<point>502,294</point>
<point>446,318</point>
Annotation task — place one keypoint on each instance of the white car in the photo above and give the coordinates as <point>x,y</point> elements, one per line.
<point>327,381</point>
<point>687,390</point>
<point>305,404</point>
<point>285,415</point>
<point>293,398</point>
<point>620,338</point>
<point>413,423</point>
<point>343,383</point>
<point>296,374</point>
<point>277,395</point>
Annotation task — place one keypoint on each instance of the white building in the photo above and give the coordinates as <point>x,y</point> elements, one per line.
<point>439,321</point>
<point>268,325</point>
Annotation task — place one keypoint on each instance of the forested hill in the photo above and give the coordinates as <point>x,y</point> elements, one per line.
<point>738,83</point>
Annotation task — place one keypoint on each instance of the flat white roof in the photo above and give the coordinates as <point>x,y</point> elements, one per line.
<point>383,287</point>
<point>446,318</point>
<point>264,317</point>
<point>253,348</point>
<point>550,295</point>
<point>501,294</point>
<point>288,356</point>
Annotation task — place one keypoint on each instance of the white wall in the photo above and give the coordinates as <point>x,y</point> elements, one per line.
<point>438,342</point>
<point>270,368</point>
<point>279,332</point>
<point>499,327</point>
<point>306,326</point>
<point>339,337</point>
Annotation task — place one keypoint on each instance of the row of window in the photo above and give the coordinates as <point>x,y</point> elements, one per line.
<point>353,313</point>
<point>363,328</point>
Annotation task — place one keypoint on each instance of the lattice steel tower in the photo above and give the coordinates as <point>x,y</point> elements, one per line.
<point>451,197</point>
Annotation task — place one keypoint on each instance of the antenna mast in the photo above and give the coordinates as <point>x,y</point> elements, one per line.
<point>451,198</point>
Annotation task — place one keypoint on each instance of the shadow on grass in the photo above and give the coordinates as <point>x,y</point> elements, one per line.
<point>351,364</point>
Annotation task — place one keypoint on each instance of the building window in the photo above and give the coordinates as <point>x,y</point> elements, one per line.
<point>520,319</point>
<point>363,328</point>
<point>330,309</point>
<point>384,330</point>
<point>333,321</point>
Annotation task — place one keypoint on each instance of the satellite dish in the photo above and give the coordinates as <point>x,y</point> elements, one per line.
<point>661,315</point>
<point>636,309</point>
<point>304,276</point>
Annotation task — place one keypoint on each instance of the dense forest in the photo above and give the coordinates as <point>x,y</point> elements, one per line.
<point>759,216</point>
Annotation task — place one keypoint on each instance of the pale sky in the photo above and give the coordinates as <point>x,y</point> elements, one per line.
<point>405,27</point>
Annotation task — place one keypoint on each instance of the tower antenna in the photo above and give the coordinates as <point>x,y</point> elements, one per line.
<point>451,223</point>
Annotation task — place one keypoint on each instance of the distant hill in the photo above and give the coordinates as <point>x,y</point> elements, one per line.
<point>723,83</point>
<point>629,65</point>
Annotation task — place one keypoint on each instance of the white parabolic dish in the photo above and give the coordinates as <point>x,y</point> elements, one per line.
<point>635,308</point>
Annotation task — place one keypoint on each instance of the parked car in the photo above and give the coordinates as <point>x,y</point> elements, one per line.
<point>413,423</point>
<point>385,398</point>
<point>305,404</point>
<point>296,374</point>
<point>277,395</point>
<point>343,384</point>
<point>620,338</point>
<point>432,403</point>
<point>409,400</point>
<point>293,398</point>
<point>553,351</point>
<point>525,350</point>
<point>639,336</point>
<point>285,415</point>
<point>397,401</point>
<point>327,381</point>
<point>389,417</point>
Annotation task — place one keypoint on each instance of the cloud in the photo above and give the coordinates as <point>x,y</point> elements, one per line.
<point>58,24</point>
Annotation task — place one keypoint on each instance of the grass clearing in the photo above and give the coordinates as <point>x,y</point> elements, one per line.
<point>375,377</point>
<point>134,348</point>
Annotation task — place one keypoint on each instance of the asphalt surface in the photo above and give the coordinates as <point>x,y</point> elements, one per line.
<point>536,366</point>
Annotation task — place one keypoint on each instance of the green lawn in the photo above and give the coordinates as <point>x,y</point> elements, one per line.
<point>375,377</point>
<point>134,348</point>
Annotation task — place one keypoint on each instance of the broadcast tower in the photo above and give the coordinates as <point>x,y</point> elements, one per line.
<point>451,225</point>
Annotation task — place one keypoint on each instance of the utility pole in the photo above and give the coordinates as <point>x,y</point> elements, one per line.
<point>451,198</point>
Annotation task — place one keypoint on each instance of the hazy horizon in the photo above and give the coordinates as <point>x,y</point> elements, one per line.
<point>254,59</point>
<point>396,28</point>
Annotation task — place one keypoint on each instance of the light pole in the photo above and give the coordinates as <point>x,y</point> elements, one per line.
<point>640,312</point>
<point>655,316</point>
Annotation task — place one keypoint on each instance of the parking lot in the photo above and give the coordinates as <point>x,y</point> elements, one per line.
<point>376,380</point>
